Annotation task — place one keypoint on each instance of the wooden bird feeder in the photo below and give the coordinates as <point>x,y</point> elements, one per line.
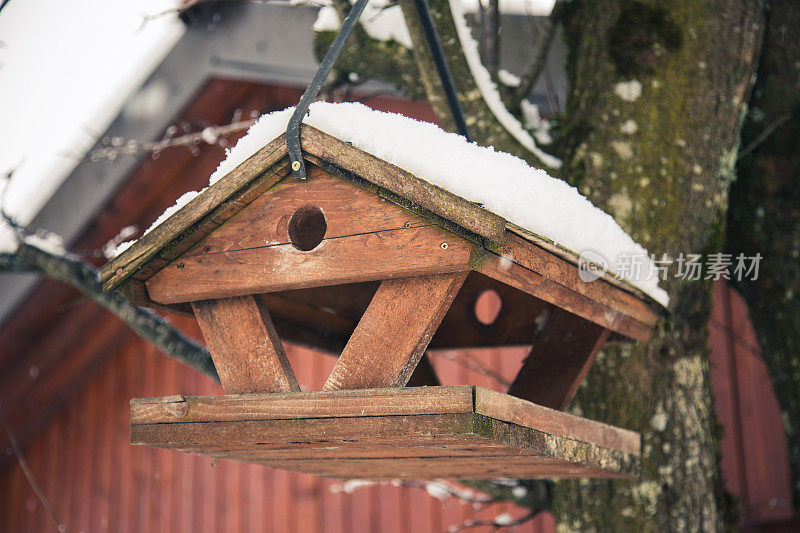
<point>375,265</point>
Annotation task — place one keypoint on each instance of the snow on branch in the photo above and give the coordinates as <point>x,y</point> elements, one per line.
<point>489,90</point>
<point>39,251</point>
<point>213,135</point>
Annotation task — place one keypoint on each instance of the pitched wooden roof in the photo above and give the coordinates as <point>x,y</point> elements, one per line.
<point>269,165</point>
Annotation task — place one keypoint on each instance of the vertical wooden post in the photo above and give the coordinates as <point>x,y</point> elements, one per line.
<point>559,360</point>
<point>244,345</point>
<point>394,332</point>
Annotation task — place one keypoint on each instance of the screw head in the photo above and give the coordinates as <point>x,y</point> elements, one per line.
<point>444,246</point>
<point>295,165</point>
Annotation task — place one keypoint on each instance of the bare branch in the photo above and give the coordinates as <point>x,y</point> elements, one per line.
<point>191,4</point>
<point>85,278</point>
<point>491,29</point>
<point>534,70</point>
<point>500,522</point>
<point>764,135</point>
<point>209,135</point>
<point>472,364</point>
<point>23,464</point>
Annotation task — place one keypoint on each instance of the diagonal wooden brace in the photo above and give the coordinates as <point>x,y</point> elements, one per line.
<point>394,332</point>
<point>559,360</point>
<point>244,345</point>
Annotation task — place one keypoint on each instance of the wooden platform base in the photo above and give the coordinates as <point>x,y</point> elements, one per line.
<point>415,432</point>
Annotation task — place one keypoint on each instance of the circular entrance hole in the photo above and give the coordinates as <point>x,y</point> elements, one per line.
<point>307,228</point>
<point>487,307</point>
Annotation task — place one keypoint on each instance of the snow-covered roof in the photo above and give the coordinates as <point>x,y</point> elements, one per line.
<point>501,183</point>
<point>67,69</point>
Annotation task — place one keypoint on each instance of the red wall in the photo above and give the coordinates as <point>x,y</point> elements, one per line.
<point>97,481</point>
<point>754,457</point>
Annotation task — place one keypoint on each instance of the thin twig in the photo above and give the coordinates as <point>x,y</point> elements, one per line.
<point>56,263</point>
<point>552,97</point>
<point>492,523</point>
<point>191,4</point>
<point>29,475</point>
<point>492,31</point>
<point>534,70</point>
<point>472,364</point>
<point>763,135</point>
<point>210,135</point>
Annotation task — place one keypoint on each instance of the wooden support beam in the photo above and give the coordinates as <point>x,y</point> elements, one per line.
<point>559,360</point>
<point>244,345</point>
<point>394,332</point>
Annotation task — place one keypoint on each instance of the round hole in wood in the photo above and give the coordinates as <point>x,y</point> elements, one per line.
<point>307,228</point>
<point>488,306</point>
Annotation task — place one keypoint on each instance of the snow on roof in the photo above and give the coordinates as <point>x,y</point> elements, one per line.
<point>383,21</point>
<point>67,69</point>
<point>502,183</point>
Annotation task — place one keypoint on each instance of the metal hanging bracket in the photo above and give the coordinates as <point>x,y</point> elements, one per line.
<point>293,129</point>
<point>293,146</point>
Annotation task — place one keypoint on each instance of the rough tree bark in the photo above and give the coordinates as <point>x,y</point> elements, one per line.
<point>651,135</point>
<point>764,215</point>
<point>657,96</point>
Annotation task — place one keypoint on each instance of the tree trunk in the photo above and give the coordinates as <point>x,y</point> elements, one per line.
<point>764,215</point>
<point>657,93</point>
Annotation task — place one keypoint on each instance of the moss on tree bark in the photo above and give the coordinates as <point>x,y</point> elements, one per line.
<point>650,134</point>
<point>657,93</point>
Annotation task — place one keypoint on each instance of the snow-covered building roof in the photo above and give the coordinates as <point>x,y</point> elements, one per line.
<point>537,205</point>
<point>67,69</point>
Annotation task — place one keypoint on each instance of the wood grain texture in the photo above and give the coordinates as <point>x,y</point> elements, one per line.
<point>394,332</point>
<point>599,312</point>
<point>559,360</point>
<point>428,196</point>
<point>514,325</point>
<point>127,263</point>
<point>518,411</point>
<point>361,257</point>
<point>606,289</point>
<point>348,209</point>
<point>244,345</point>
<point>424,432</point>
<point>312,404</point>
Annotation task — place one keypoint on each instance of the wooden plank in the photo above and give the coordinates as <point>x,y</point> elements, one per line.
<point>424,468</point>
<point>524,413</point>
<point>347,209</point>
<point>534,257</point>
<point>428,196</point>
<point>559,360</point>
<point>394,332</point>
<point>364,257</point>
<point>366,435</point>
<point>511,273</point>
<point>244,345</point>
<point>211,434</point>
<point>315,404</point>
<point>127,263</point>
<point>327,450</point>
<point>395,442</point>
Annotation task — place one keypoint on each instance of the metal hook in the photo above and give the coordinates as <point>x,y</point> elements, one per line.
<point>293,129</point>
